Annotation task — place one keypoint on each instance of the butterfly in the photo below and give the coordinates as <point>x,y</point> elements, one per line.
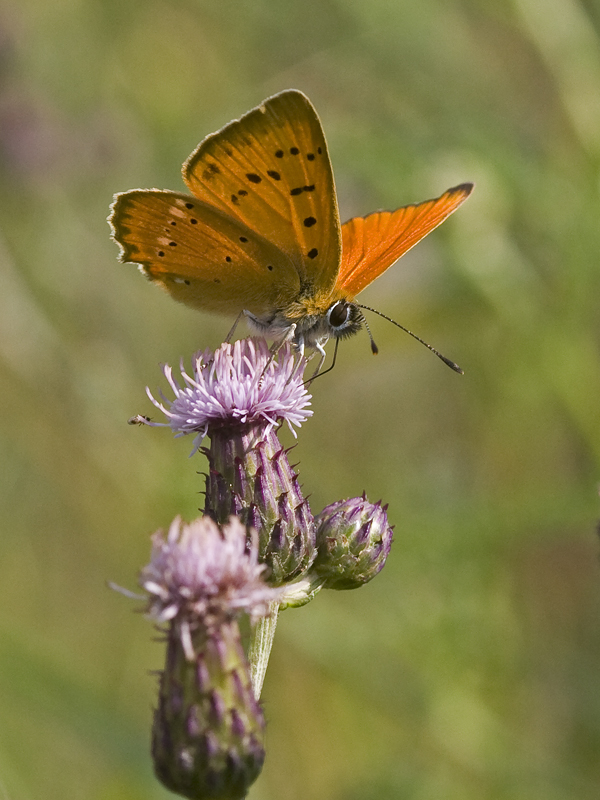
<point>260,234</point>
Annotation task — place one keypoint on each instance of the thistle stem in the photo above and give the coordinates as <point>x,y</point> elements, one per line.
<point>261,642</point>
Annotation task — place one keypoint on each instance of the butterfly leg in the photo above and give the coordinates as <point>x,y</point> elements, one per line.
<point>229,336</point>
<point>318,345</point>
<point>276,346</point>
<point>318,374</point>
<point>299,341</point>
<point>289,336</point>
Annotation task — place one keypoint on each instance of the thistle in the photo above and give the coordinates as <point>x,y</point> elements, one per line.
<point>257,550</point>
<point>353,541</point>
<point>237,397</point>
<point>207,737</point>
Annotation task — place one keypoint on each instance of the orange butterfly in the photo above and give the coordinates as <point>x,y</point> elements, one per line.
<point>260,233</point>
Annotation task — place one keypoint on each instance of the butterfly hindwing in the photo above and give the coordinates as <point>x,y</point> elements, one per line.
<point>200,255</point>
<point>372,244</point>
<point>271,171</point>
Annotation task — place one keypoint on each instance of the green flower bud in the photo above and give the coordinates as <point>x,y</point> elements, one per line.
<point>353,543</point>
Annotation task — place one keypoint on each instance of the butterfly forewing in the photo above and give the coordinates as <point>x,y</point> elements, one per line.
<point>372,244</point>
<point>271,171</point>
<point>200,254</point>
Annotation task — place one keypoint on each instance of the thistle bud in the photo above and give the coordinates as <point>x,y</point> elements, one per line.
<point>250,476</point>
<point>207,738</point>
<point>208,731</point>
<point>353,543</point>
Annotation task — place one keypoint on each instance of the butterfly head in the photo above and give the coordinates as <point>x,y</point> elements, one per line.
<point>308,326</point>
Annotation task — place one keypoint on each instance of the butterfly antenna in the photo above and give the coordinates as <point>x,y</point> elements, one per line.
<point>446,361</point>
<point>374,348</point>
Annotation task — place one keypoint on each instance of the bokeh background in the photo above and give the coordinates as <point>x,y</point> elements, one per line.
<point>469,668</point>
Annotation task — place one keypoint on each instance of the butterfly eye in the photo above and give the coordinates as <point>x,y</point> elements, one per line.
<point>338,314</point>
<point>344,319</point>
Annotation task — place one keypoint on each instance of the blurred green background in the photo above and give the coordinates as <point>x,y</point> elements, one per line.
<point>469,668</point>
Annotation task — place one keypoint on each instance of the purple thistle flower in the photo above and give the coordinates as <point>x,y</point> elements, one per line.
<point>239,383</point>
<point>200,575</point>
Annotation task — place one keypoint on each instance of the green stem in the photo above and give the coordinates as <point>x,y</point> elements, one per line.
<point>259,651</point>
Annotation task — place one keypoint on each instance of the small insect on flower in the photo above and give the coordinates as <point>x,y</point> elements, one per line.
<point>139,419</point>
<point>260,233</point>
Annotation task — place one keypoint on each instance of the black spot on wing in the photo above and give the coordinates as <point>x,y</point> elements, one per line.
<point>279,154</point>
<point>209,173</point>
<point>253,177</point>
<point>299,189</point>
<point>273,174</point>
<point>313,253</point>
<point>294,151</point>
<point>309,222</point>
